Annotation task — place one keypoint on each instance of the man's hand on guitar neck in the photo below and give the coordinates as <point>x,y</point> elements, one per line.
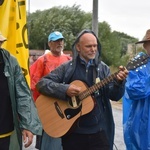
<point>73,90</point>
<point>122,74</point>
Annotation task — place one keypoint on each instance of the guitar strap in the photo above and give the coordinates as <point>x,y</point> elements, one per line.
<point>96,79</point>
<point>94,76</point>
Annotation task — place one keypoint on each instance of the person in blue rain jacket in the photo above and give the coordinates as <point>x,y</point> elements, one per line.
<point>136,104</point>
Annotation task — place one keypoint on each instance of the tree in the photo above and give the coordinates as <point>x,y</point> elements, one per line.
<point>70,21</point>
<point>110,45</point>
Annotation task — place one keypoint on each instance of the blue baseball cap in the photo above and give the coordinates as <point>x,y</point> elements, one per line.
<point>54,36</point>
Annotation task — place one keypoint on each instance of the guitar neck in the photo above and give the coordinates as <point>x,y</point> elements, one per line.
<point>133,64</point>
<point>96,86</point>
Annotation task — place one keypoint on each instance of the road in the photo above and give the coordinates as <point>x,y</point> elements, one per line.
<point>118,142</point>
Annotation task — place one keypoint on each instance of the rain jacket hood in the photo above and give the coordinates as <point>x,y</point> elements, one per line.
<point>74,50</point>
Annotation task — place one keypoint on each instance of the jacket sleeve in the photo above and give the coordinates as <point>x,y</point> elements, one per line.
<point>27,112</point>
<point>36,72</point>
<point>114,89</point>
<point>53,82</point>
<point>138,83</point>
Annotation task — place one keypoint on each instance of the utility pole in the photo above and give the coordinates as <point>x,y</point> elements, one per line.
<point>29,24</point>
<point>95,17</point>
<point>28,7</point>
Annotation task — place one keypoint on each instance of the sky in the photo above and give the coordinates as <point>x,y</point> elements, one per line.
<point>127,16</point>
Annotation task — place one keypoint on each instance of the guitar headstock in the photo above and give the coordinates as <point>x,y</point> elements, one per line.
<point>137,61</point>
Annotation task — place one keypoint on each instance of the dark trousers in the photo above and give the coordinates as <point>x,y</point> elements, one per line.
<point>97,141</point>
<point>4,143</point>
<point>38,141</point>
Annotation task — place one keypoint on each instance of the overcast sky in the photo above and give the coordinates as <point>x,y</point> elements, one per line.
<point>128,16</point>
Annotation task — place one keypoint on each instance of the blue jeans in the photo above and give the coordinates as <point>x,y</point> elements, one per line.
<point>50,143</point>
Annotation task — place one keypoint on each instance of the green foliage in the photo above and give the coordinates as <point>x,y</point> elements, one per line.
<point>70,21</point>
<point>139,49</point>
<point>110,44</point>
<point>124,41</point>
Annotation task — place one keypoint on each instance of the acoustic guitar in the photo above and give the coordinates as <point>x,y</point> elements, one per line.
<point>58,116</point>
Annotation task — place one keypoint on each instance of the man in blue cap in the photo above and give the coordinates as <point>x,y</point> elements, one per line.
<point>56,43</point>
<point>41,67</point>
<point>55,36</point>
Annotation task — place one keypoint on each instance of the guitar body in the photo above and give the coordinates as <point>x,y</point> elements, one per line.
<point>58,116</point>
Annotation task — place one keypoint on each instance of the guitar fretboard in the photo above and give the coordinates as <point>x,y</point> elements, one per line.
<point>96,86</point>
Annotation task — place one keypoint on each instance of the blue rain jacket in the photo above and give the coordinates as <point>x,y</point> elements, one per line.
<point>136,109</point>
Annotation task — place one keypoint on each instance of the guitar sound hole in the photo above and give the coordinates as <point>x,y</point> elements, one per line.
<point>70,113</point>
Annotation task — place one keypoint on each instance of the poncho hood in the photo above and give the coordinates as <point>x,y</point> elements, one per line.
<point>74,50</point>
